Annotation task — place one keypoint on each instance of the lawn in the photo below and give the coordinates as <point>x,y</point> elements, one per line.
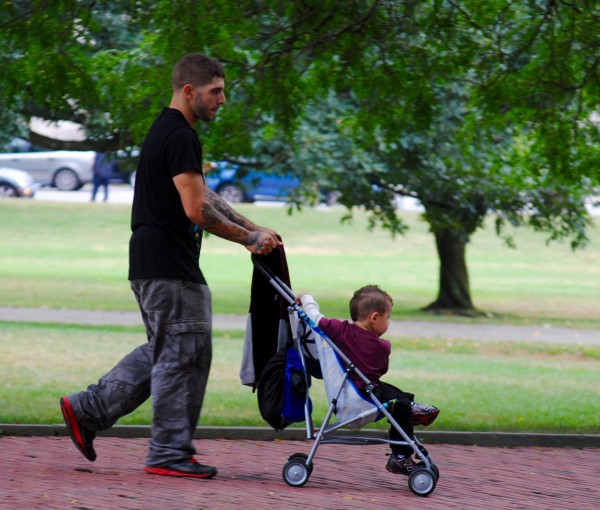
<point>75,256</point>
<point>478,386</point>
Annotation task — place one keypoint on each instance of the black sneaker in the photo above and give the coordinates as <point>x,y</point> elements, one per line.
<point>82,438</point>
<point>402,464</point>
<point>190,468</point>
<point>424,414</point>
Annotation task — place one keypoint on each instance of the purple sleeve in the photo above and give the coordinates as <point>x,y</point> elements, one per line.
<point>332,327</point>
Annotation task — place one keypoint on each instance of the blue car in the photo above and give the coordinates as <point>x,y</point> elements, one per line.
<point>222,177</point>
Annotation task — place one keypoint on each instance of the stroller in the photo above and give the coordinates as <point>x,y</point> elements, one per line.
<point>321,358</point>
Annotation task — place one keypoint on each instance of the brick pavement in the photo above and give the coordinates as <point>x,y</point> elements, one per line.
<point>48,473</point>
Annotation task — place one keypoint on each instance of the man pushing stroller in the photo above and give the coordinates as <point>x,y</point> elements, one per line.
<point>360,340</point>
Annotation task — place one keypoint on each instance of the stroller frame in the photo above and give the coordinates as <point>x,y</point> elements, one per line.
<point>299,466</point>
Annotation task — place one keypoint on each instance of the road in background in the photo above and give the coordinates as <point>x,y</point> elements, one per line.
<point>117,194</point>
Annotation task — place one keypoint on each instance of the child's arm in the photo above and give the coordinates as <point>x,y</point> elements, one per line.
<point>311,307</point>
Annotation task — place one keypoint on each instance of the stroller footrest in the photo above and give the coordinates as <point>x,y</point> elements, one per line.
<point>353,440</point>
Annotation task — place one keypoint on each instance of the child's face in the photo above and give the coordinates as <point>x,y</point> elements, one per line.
<point>380,322</point>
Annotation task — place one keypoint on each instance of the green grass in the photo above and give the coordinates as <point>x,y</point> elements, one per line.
<point>75,256</point>
<point>478,386</point>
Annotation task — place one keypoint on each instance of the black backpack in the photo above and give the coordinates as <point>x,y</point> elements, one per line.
<point>282,389</point>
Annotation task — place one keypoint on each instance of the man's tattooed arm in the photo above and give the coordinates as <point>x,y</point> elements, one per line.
<point>219,221</point>
<point>211,213</point>
<point>219,204</point>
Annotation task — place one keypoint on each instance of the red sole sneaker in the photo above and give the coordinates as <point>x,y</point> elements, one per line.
<point>75,431</point>
<point>165,471</point>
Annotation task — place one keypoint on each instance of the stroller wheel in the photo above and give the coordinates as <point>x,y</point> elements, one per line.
<point>436,471</point>
<point>296,471</point>
<point>422,482</point>
<point>302,456</point>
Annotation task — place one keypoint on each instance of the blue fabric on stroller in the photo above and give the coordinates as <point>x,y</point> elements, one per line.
<point>282,389</point>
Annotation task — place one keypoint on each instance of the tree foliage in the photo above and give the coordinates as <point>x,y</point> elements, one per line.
<point>475,108</point>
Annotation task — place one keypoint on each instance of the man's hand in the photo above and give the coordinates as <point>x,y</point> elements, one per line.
<point>263,243</point>
<point>272,233</point>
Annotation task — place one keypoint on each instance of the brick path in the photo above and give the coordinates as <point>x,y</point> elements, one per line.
<point>48,473</point>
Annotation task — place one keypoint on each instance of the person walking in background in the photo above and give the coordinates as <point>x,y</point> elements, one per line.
<point>172,205</point>
<point>103,170</point>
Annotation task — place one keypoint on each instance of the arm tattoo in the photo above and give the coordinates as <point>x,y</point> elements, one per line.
<point>223,222</point>
<point>227,211</point>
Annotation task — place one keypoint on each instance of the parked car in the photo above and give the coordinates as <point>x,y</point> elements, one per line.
<point>222,177</point>
<point>16,183</point>
<point>126,166</point>
<point>65,170</point>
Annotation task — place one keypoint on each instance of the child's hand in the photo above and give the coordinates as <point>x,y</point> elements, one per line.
<point>299,298</point>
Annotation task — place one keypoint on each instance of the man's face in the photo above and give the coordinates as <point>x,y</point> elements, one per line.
<point>208,99</point>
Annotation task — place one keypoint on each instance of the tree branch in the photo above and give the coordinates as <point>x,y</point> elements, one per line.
<point>111,144</point>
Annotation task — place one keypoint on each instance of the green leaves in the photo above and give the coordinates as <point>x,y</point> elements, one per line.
<point>474,108</point>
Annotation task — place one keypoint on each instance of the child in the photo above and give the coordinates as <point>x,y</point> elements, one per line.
<point>361,341</point>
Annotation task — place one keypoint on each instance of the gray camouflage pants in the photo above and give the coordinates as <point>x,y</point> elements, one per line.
<point>173,366</point>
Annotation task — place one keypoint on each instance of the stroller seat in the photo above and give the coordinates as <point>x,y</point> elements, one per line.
<point>351,407</point>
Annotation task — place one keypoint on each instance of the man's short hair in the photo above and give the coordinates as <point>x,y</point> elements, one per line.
<point>197,70</point>
<point>367,300</point>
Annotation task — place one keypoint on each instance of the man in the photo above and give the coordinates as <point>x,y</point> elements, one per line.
<point>171,207</point>
<point>103,170</point>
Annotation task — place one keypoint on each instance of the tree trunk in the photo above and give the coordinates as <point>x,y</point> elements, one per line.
<point>454,294</point>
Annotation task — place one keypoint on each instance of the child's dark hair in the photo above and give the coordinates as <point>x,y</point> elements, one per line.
<point>367,300</point>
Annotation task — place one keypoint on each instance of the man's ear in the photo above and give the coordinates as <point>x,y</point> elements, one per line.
<point>188,91</point>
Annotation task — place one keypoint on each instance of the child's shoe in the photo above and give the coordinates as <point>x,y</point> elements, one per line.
<point>424,414</point>
<point>403,464</point>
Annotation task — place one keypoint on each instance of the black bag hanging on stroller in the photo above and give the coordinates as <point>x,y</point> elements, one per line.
<point>282,389</point>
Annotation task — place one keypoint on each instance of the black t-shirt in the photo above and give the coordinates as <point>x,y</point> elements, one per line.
<point>164,242</point>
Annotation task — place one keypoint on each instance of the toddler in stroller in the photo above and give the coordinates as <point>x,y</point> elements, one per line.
<point>360,340</point>
<point>351,358</point>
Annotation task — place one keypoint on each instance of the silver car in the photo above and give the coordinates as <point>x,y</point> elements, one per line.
<point>65,170</point>
<point>16,183</point>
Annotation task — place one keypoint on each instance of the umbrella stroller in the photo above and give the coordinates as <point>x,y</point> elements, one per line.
<point>321,358</point>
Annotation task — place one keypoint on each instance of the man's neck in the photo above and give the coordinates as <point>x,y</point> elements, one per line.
<point>185,111</point>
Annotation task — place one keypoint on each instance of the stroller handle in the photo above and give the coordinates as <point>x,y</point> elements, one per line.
<point>274,280</point>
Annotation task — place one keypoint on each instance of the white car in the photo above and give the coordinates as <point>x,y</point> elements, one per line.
<point>16,183</point>
<point>65,170</point>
